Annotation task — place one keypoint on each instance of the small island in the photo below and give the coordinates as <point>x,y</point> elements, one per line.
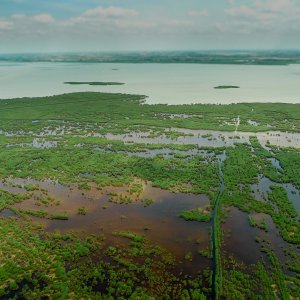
<point>93,83</point>
<point>227,87</point>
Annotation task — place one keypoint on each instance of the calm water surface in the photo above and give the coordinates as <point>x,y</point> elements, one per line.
<point>162,83</point>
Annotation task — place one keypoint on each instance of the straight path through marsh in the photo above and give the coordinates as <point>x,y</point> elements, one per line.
<point>216,238</point>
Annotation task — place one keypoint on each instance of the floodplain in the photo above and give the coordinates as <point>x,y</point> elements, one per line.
<point>103,196</point>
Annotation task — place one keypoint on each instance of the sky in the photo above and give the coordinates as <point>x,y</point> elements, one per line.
<point>147,25</point>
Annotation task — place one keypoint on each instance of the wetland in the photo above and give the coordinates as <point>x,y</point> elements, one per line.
<point>105,196</point>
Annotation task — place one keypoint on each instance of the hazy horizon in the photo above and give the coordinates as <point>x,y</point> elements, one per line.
<point>114,51</point>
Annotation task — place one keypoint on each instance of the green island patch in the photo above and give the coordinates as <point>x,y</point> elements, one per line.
<point>226,87</point>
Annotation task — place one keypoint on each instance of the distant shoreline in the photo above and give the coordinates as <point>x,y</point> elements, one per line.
<point>277,58</point>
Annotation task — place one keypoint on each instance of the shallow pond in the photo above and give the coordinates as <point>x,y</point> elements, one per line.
<point>240,238</point>
<point>159,222</point>
<point>261,189</point>
<point>212,138</point>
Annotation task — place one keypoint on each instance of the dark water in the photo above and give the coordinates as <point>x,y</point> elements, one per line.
<point>260,191</point>
<point>159,222</point>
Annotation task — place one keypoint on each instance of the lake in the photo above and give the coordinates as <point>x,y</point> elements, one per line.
<point>162,83</point>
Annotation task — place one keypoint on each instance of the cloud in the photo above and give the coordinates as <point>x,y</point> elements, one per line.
<point>111,11</point>
<point>280,6</point>
<point>5,24</point>
<point>265,11</point>
<point>198,13</point>
<point>242,10</point>
<point>117,28</point>
<point>43,18</point>
<point>106,18</point>
<point>101,26</point>
<point>251,13</point>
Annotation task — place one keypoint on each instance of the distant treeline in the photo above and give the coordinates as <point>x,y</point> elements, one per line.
<point>201,57</point>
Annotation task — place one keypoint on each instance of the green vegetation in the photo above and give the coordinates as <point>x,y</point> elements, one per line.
<point>82,211</point>
<point>290,161</point>
<point>244,168</point>
<point>261,224</point>
<point>30,187</point>
<point>39,270</point>
<point>197,214</point>
<point>40,214</point>
<point>100,112</point>
<point>285,218</point>
<point>226,87</point>
<point>103,157</point>
<point>135,188</point>
<point>68,164</point>
<point>7,199</point>
<point>189,256</point>
<point>35,213</point>
<point>148,201</point>
<point>59,217</point>
<point>216,241</point>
